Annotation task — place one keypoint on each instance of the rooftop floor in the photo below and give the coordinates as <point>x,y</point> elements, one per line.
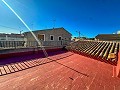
<point>69,71</point>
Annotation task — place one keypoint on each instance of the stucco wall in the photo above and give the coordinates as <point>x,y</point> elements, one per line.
<point>55,32</point>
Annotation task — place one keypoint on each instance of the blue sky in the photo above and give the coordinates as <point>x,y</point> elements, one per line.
<point>90,17</point>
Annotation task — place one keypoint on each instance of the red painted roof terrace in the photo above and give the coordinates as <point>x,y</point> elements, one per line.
<point>66,71</point>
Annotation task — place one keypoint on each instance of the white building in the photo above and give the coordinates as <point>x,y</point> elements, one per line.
<point>11,40</point>
<point>50,37</point>
<point>11,37</point>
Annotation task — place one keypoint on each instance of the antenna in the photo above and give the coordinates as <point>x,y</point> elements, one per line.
<point>20,30</point>
<point>32,25</point>
<point>54,22</point>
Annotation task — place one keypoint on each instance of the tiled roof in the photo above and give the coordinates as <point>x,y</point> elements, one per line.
<point>106,51</point>
<point>108,36</point>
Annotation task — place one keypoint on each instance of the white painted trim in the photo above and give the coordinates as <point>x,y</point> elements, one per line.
<point>58,38</point>
<point>50,37</point>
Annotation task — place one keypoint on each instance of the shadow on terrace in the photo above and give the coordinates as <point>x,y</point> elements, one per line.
<point>21,58</point>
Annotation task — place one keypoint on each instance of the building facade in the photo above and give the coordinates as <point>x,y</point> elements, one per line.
<point>108,37</point>
<point>54,35</point>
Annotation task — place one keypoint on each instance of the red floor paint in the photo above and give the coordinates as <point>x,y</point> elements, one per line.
<point>70,74</point>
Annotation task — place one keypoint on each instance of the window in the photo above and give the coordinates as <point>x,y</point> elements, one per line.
<point>51,37</point>
<point>59,38</point>
<point>41,37</point>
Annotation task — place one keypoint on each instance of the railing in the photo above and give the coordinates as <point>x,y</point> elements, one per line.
<point>47,43</point>
<point>20,44</point>
<point>11,44</point>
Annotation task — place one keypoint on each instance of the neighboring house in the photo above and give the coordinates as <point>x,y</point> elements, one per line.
<point>11,37</point>
<point>50,35</point>
<point>11,40</point>
<point>108,37</point>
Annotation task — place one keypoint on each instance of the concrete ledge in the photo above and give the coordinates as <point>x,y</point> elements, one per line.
<point>7,53</point>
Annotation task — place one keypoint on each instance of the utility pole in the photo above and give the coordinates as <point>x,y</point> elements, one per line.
<point>78,34</point>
